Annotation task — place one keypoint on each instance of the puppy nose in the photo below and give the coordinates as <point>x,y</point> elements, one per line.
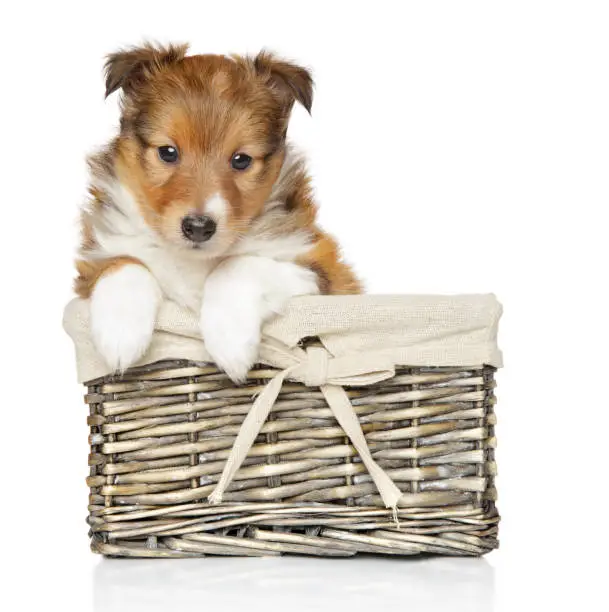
<point>198,228</point>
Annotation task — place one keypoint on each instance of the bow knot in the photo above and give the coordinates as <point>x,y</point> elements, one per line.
<point>316,367</point>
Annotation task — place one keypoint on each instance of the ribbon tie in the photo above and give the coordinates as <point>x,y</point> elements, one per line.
<point>315,370</point>
<point>315,367</point>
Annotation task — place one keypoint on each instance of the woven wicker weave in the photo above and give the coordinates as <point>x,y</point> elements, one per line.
<point>160,435</point>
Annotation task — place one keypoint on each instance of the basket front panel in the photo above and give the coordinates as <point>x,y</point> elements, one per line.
<point>160,436</point>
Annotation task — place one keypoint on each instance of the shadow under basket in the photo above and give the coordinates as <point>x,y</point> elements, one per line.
<point>161,434</point>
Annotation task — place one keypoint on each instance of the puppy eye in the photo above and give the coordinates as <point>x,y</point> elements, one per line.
<point>168,154</point>
<point>240,161</point>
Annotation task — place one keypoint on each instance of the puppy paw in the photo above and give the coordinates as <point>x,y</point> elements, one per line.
<point>286,280</point>
<point>231,332</point>
<point>124,304</point>
<point>239,296</point>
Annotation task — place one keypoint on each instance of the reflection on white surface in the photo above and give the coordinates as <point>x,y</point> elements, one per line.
<point>461,585</point>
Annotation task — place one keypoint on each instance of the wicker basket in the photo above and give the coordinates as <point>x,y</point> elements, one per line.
<point>161,434</point>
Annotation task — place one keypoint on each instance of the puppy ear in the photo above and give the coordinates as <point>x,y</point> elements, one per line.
<point>126,69</point>
<point>292,82</point>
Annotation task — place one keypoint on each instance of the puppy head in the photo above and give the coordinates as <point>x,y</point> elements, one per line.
<point>202,138</point>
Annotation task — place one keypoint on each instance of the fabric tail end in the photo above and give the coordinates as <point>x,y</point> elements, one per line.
<point>215,497</point>
<point>395,517</point>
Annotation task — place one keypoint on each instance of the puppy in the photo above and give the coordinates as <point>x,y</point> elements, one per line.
<point>199,199</point>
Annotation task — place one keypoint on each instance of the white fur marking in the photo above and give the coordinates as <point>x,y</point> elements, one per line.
<point>216,207</point>
<point>283,247</point>
<point>123,310</point>
<point>239,296</point>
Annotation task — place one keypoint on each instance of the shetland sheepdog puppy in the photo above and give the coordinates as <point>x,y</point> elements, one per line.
<point>200,200</point>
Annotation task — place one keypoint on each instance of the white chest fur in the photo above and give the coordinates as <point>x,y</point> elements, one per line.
<point>181,280</point>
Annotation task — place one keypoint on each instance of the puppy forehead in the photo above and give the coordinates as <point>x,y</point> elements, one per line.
<point>206,125</point>
<point>207,101</point>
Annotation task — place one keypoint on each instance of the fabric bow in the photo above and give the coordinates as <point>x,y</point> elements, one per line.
<point>315,367</point>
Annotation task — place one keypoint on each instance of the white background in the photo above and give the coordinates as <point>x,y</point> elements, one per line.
<point>456,147</point>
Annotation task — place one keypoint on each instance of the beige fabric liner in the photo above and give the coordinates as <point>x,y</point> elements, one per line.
<point>409,330</point>
<point>364,336</point>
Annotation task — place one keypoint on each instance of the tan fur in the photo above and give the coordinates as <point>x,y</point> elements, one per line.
<point>209,107</point>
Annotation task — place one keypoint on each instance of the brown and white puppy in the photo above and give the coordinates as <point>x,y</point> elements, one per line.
<point>200,200</point>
